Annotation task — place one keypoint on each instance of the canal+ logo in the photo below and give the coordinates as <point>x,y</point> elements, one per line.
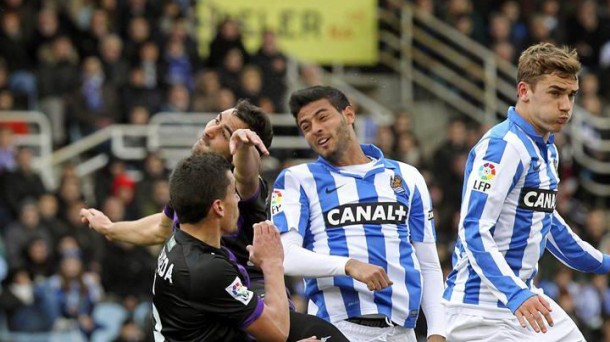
<point>486,173</point>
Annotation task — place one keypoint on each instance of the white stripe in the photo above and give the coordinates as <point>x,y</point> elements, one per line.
<point>158,326</point>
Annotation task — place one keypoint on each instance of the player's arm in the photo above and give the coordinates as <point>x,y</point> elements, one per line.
<point>150,230</point>
<point>571,250</point>
<point>290,214</point>
<point>483,198</point>
<point>423,238</point>
<point>245,145</point>
<point>267,253</point>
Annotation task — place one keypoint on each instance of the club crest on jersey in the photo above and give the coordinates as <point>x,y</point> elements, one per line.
<point>276,201</point>
<point>238,291</point>
<point>486,174</point>
<point>396,184</point>
<point>538,199</point>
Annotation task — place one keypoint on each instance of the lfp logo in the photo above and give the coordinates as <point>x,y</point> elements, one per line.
<point>487,172</point>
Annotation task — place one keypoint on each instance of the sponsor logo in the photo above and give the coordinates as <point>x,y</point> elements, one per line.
<point>538,199</point>
<point>396,184</point>
<point>277,197</point>
<point>430,215</point>
<point>365,213</point>
<point>331,190</point>
<point>238,291</point>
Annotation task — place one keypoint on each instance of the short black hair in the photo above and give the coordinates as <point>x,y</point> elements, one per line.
<point>303,97</point>
<point>197,181</point>
<point>256,120</point>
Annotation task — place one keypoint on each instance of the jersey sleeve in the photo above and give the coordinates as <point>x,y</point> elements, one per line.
<point>289,205</point>
<point>217,289</point>
<point>421,218</point>
<point>492,170</point>
<point>566,246</point>
<point>256,205</point>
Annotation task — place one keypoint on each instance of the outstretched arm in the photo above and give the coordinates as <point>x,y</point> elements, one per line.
<point>244,146</point>
<point>150,230</point>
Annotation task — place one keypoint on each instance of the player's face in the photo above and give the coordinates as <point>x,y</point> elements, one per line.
<point>326,129</point>
<point>217,133</point>
<point>550,102</point>
<point>229,224</point>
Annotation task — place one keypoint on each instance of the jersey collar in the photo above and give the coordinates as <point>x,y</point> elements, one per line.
<point>518,120</point>
<point>369,150</point>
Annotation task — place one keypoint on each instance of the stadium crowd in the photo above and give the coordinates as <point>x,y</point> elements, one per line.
<point>90,63</point>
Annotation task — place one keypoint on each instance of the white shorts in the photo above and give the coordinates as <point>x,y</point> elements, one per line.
<point>478,328</point>
<point>360,333</point>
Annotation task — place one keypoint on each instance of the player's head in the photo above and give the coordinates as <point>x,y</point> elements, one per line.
<point>325,117</point>
<point>547,78</point>
<point>202,186</point>
<point>217,133</point>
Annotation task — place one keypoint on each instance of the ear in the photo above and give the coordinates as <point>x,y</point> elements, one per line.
<point>523,91</point>
<point>218,208</point>
<point>349,114</point>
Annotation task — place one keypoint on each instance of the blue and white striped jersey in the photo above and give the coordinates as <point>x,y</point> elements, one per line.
<point>508,219</point>
<point>372,218</point>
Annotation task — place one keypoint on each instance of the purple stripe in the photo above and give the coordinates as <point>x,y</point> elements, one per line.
<point>254,315</point>
<point>168,211</point>
<point>253,197</point>
<point>242,270</point>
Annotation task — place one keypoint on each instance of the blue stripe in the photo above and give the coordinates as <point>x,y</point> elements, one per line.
<point>417,217</point>
<point>375,242</point>
<point>337,243</point>
<point>472,287</point>
<point>313,292</point>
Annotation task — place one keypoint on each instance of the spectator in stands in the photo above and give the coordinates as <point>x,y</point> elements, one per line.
<point>23,182</point>
<point>232,66</point>
<point>154,69</point>
<point>90,39</point>
<point>207,88</point>
<point>251,85</point>
<point>72,293</point>
<point>154,170</point>
<point>385,140</point>
<point>115,66</point>
<point>138,34</point>
<point>19,233</point>
<point>8,151</point>
<point>23,302</point>
<point>90,245</point>
<point>138,93</point>
<point>95,104</point>
<point>130,332</point>
<point>311,75</point>
<point>178,99</point>
<point>228,37</point>
<point>47,30</point>
<point>48,209</point>
<point>39,261</point>
<point>68,192</point>
<point>587,32</point>
<point>519,29</point>
<point>272,63</point>
<point>407,150</point>
<point>58,75</point>
<point>226,99</point>
<point>179,65</point>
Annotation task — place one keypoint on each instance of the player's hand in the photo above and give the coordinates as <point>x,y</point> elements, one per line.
<point>266,248</point>
<point>245,138</point>
<point>373,276</point>
<point>436,338</point>
<point>96,220</point>
<point>532,311</point>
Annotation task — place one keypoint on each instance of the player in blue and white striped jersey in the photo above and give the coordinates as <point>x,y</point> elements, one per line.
<point>358,227</point>
<point>508,215</point>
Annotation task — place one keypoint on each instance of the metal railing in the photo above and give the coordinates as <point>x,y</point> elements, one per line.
<point>430,54</point>
<point>38,138</point>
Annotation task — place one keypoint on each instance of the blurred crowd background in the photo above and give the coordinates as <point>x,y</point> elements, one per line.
<point>88,64</point>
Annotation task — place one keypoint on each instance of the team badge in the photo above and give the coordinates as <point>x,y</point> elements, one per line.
<point>277,197</point>
<point>238,291</point>
<point>396,184</point>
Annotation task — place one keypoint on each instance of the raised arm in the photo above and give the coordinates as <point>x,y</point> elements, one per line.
<point>150,230</point>
<point>266,252</point>
<point>244,146</point>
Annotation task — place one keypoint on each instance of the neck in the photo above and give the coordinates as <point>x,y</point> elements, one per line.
<point>353,155</point>
<point>524,112</point>
<point>205,231</point>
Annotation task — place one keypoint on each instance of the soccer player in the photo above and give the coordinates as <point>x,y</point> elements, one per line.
<point>240,134</point>
<point>200,293</point>
<point>508,215</point>
<point>358,227</point>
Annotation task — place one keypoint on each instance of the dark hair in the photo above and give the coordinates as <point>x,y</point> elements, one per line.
<point>256,120</point>
<point>197,181</point>
<point>303,97</point>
